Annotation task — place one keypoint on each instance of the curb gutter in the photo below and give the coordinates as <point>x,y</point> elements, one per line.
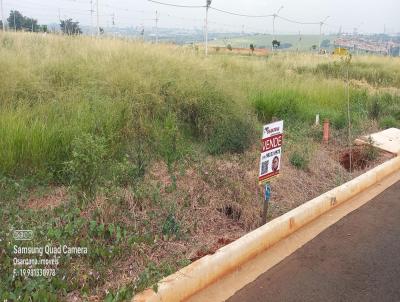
<point>207,270</point>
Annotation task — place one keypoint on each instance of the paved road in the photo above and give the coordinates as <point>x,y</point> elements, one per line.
<point>356,259</point>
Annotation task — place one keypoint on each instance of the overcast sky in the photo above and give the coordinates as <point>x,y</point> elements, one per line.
<point>368,16</point>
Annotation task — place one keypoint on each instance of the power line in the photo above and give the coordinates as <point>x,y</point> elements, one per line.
<point>297,22</point>
<point>81,12</point>
<point>178,5</point>
<point>274,16</point>
<point>117,8</point>
<point>240,15</point>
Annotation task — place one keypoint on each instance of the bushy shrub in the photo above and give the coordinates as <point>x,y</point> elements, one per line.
<point>85,167</point>
<point>287,105</point>
<point>125,172</point>
<point>396,113</point>
<point>339,120</point>
<point>383,104</point>
<point>233,135</point>
<point>213,119</point>
<point>171,226</point>
<point>389,122</point>
<point>375,109</point>
<point>369,151</point>
<point>171,147</point>
<point>299,160</point>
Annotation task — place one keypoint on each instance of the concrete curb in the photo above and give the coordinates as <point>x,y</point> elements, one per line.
<point>205,271</point>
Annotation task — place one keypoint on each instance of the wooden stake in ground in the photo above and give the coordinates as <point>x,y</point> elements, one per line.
<point>267,196</point>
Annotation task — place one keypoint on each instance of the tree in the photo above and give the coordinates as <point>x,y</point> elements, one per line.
<point>276,44</point>
<point>30,25</point>
<point>43,28</point>
<point>252,47</point>
<point>314,47</point>
<point>17,21</point>
<point>229,47</point>
<point>70,27</point>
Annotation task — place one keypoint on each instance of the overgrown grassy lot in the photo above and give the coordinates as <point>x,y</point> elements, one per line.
<point>137,151</point>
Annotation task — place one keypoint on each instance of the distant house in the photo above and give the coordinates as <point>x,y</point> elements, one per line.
<point>356,44</point>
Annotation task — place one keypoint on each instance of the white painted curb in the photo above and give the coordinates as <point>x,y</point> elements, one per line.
<point>205,271</point>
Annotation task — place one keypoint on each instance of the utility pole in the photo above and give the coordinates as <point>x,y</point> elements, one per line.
<point>298,43</point>
<point>208,3</point>
<point>156,27</point>
<point>273,21</point>
<point>59,20</point>
<point>273,24</point>
<point>91,17</point>
<point>320,32</point>
<point>2,16</point>
<point>113,24</point>
<point>98,21</point>
<point>142,32</point>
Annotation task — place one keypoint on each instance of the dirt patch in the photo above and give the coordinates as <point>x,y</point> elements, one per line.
<point>359,158</point>
<point>231,211</point>
<point>217,245</point>
<point>50,200</point>
<point>354,159</point>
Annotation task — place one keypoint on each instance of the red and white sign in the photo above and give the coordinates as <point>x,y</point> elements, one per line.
<point>271,150</point>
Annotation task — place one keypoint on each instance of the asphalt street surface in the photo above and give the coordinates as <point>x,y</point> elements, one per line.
<point>356,259</point>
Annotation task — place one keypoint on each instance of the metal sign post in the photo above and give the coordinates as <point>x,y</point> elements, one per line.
<point>267,196</point>
<point>270,160</point>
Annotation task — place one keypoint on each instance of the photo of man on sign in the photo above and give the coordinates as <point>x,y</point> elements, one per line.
<point>275,164</point>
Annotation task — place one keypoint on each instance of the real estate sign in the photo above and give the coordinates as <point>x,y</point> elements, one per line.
<point>271,150</point>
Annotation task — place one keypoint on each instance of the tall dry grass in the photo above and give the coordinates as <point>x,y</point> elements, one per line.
<point>53,89</point>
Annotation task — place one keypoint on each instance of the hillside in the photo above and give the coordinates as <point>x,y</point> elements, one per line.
<point>147,155</point>
<point>288,42</point>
